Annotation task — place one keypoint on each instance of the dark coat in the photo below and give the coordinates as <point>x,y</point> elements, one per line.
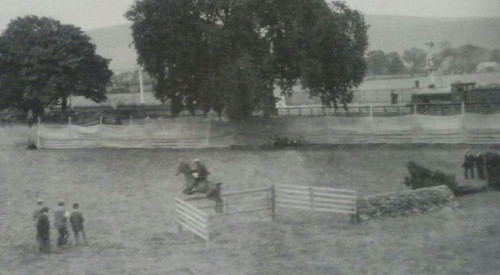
<point>202,171</point>
<point>76,220</point>
<point>43,226</point>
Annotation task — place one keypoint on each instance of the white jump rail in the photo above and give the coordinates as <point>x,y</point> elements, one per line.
<point>311,198</point>
<point>193,219</point>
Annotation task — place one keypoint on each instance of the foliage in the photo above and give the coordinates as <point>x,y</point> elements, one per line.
<point>416,58</point>
<point>421,177</point>
<point>278,141</point>
<point>233,53</point>
<point>376,62</point>
<point>492,161</point>
<point>43,61</point>
<point>464,58</point>
<point>394,63</point>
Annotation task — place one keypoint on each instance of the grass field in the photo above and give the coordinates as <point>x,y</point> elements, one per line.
<point>127,196</point>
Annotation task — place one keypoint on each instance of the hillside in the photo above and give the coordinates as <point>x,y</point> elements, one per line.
<point>399,33</point>
<point>387,33</point>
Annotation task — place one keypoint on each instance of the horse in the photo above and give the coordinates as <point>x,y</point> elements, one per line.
<point>212,190</point>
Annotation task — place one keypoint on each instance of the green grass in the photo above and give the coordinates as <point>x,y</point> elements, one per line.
<point>127,196</point>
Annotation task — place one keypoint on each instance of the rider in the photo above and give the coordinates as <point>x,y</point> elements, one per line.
<point>200,172</point>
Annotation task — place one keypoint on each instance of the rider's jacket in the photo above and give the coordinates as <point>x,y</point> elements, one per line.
<point>202,171</point>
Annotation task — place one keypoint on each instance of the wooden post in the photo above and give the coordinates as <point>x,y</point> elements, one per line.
<point>100,120</point>
<point>311,199</point>
<point>38,132</point>
<point>273,203</point>
<point>415,109</point>
<point>464,135</point>
<point>130,119</point>
<point>208,233</point>
<point>69,120</point>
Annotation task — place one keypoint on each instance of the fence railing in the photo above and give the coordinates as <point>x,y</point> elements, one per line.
<point>193,219</point>
<point>311,198</point>
<point>333,200</point>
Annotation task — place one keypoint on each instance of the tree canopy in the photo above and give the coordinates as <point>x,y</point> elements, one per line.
<point>416,58</point>
<point>43,61</point>
<point>235,52</point>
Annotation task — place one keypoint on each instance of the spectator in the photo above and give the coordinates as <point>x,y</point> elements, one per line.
<point>479,159</point>
<point>43,230</point>
<point>468,164</point>
<point>36,214</point>
<point>76,220</point>
<point>61,224</point>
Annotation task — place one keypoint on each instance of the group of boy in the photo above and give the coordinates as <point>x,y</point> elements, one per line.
<point>472,162</point>
<point>61,216</point>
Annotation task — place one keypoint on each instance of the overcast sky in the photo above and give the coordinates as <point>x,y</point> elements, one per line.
<point>93,14</point>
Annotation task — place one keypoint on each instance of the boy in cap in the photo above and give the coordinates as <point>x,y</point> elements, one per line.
<point>60,222</point>
<point>43,230</point>
<point>76,220</point>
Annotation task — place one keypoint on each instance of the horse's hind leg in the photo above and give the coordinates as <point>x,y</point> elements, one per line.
<point>218,205</point>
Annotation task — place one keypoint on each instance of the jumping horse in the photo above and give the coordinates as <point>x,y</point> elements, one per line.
<point>211,190</point>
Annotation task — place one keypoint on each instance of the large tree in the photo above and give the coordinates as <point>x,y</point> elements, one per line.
<point>394,63</point>
<point>415,57</point>
<point>234,52</point>
<point>376,61</point>
<point>43,62</point>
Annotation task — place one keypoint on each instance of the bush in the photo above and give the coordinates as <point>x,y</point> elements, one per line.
<point>493,169</point>
<point>421,177</point>
<point>277,141</point>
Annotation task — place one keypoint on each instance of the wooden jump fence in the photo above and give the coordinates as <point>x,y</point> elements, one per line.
<point>324,199</point>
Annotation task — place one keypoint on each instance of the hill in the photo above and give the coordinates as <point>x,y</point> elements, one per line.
<point>387,33</point>
<point>399,33</point>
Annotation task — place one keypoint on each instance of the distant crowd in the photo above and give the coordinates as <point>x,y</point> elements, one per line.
<point>61,217</point>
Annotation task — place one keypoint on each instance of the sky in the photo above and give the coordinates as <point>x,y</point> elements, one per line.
<point>94,14</point>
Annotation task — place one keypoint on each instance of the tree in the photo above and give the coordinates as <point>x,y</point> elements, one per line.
<point>416,58</point>
<point>43,61</point>
<point>233,52</point>
<point>376,62</point>
<point>394,63</point>
<point>495,55</point>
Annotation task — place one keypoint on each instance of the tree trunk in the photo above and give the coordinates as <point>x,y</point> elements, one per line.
<point>64,104</point>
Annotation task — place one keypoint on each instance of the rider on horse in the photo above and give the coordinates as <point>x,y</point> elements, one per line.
<point>200,172</point>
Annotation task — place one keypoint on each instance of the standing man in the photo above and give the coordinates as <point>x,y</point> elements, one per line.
<point>480,165</point>
<point>36,215</point>
<point>200,172</point>
<point>61,224</point>
<point>76,220</point>
<point>38,208</point>
<point>468,164</point>
<point>43,230</point>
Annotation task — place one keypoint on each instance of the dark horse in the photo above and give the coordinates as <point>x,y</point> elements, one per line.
<point>212,190</point>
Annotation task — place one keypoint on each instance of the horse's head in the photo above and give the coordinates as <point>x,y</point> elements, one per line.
<point>183,168</point>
